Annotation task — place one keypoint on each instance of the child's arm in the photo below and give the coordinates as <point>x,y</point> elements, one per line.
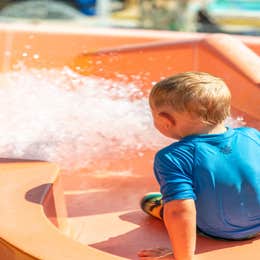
<point>180,220</point>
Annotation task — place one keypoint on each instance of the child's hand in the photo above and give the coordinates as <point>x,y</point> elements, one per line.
<point>156,253</point>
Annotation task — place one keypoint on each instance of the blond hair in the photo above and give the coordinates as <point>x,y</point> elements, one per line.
<point>198,93</point>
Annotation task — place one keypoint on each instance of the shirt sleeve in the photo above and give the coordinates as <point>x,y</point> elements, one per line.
<point>175,181</point>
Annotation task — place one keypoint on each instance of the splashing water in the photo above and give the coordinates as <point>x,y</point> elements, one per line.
<point>60,116</point>
<point>63,117</point>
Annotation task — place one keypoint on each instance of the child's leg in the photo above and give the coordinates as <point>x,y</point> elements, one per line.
<point>152,204</point>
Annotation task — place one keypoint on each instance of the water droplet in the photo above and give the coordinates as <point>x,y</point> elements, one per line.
<point>36,56</point>
<point>7,53</point>
<point>28,47</point>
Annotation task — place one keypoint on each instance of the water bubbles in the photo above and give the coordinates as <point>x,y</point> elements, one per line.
<point>24,54</point>
<point>31,36</point>
<point>28,47</point>
<point>7,53</point>
<point>36,56</point>
<point>73,120</point>
<point>18,66</point>
<point>235,122</point>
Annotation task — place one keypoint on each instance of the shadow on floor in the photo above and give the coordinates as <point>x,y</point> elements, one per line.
<point>152,233</point>
<point>14,160</point>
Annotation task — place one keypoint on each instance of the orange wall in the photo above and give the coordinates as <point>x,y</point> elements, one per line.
<point>143,65</point>
<point>55,49</point>
<point>245,93</point>
<point>153,61</point>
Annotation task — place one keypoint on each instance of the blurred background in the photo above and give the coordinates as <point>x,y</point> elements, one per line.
<point>229,16</point>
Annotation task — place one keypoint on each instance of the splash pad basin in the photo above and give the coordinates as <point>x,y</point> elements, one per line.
<point>78,100</point>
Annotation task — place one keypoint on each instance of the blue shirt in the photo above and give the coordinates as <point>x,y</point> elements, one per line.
<point>221,172</point>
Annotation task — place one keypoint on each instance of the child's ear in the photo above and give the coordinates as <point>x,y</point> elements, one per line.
<point>167,118</point>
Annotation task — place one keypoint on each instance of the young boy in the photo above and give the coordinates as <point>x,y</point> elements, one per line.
<point>209,179</point>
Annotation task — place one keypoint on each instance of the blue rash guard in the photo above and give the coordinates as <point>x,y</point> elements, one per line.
<point>221,172</point>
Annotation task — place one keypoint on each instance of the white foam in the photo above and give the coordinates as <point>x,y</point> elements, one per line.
<point>60,116</point>
<point>70,119</point>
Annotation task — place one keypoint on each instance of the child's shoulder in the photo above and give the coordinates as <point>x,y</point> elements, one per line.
<point>178,148</point>
<point>178,155</point>
<point>249,131</point>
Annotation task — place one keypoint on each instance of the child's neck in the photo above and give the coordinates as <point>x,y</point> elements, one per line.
<point>192,125</point>
<point>218,129</point>
<point>202,129</point>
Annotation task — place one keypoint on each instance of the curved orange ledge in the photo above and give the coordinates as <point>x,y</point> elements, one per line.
<point>25,231</point>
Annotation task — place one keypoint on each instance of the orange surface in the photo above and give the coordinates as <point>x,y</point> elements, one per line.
<point>221,55</point>
<point>94,213</point>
